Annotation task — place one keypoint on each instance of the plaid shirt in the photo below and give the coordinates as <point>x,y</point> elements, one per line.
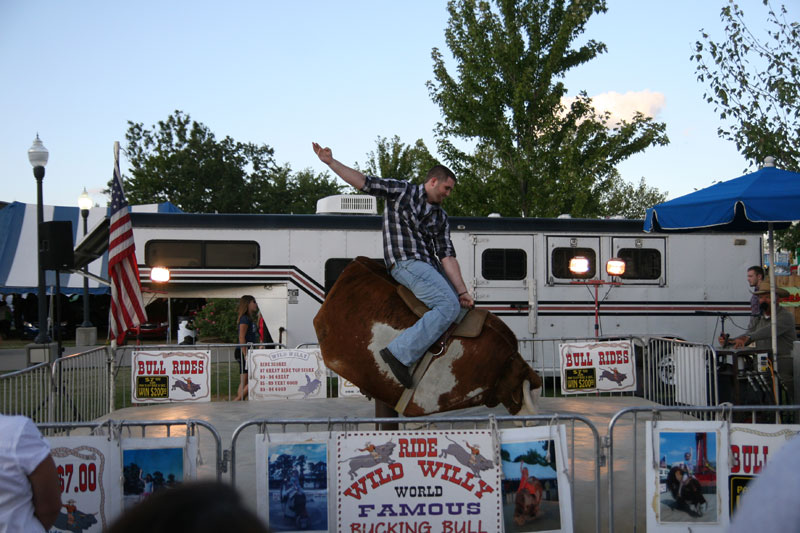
<point>412,228</point>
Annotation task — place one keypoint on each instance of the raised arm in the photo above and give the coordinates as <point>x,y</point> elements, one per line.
<point>350,175</point>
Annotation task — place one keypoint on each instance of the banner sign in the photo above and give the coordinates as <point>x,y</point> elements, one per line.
<point>442,481</point>
<point>751,447</point>
<point>601,366</point>
<point>88,471</point>
<point>174,376</point>
<point>348,389</point>
<point>286,374</point>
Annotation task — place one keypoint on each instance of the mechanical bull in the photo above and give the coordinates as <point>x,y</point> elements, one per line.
<point>480,365</point>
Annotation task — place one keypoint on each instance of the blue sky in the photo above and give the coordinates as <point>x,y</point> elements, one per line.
<point>673,446</point>
<point>286,73</point>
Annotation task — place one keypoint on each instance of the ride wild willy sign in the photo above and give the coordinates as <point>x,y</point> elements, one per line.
<point>420,481</point>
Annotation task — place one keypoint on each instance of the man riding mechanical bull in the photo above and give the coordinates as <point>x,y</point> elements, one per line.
<point>419,255</point>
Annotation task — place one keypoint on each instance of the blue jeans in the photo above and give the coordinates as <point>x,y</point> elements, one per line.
<point>435,291</point>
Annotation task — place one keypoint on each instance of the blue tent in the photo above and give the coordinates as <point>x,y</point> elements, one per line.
<point>761,201</point>
<point>749,203</point>
<point>18,261</point>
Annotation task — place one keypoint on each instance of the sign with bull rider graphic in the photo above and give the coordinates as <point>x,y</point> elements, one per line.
<point>88,471</point>
<point>597,366</point>
<point>286,374</point>
<point>171,376</point>
<point>432,481</point>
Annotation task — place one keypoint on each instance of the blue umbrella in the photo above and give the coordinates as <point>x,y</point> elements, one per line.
<point>760,201</point>
<point>748,203</point>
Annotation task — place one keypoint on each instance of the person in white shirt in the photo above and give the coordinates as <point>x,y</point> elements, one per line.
<point>30,493</point>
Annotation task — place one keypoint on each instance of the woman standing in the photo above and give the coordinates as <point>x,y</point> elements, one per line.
<point>248,333</point>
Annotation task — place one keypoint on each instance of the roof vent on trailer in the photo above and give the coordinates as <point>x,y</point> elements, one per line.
<point>347,204</point>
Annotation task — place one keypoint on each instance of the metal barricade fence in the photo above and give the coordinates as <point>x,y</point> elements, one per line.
<point>169,428</point>
<point>678,373</point>
<point>28,392</point>
<point>633,481</point>
<point>591,460</point>
<point>543,355</point>
<point>81,386</point>
<point>225,368</point>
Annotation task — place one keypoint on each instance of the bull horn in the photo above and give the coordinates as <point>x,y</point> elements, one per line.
<point>531,406</point>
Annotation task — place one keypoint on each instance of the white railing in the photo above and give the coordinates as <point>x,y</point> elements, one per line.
<point>75,388</point>
<point>680,373</point>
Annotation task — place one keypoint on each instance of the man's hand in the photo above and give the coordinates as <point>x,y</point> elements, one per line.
<point>739,342</point>
<point>325,154</point>
<point>351,176</point>
<point>466,300</point>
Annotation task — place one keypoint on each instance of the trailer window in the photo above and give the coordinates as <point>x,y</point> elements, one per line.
<point>559,262</point>
<point>202,254</point>
<point>641,263</point>
<point>231,254</point>
<point>174,254</point>
<point>503,263</point>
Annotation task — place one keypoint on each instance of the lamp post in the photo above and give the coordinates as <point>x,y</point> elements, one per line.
<point>85,203</point>
<point>614,267</point>
<point>161,275</point>
<point>37,155</point>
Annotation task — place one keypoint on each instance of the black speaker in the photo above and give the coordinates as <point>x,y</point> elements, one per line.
<point>56,245</point>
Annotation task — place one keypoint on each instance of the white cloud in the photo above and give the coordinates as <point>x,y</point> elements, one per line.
<point>624,106</point>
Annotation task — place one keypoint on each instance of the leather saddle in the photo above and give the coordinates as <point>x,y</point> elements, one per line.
<point>470,325</point>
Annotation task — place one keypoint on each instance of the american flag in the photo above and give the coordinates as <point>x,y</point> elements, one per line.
<point>127,308</point>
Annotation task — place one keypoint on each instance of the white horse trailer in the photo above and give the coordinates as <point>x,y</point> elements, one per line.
<point>674,285</point>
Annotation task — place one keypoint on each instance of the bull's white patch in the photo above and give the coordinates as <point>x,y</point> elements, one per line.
<point>439,377</point>
<point>382,335</point>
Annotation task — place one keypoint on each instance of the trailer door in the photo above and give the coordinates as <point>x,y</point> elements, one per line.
<point>502,280</point>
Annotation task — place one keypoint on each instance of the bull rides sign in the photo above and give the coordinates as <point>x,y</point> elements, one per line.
<point>175,376</point>
<point>420,481</point>
<point>602,366</point>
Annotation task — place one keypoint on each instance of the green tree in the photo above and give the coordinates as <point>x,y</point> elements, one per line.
<point>533,156</point>
<point>754,84</point>
<point>630,201</point>
<point>394,159</point>
<point>181,161</point>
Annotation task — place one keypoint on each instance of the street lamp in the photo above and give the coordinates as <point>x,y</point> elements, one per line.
<point>160,274</point>
<point>580,265</point>
<point>37,155</point>
<point>84,204</point>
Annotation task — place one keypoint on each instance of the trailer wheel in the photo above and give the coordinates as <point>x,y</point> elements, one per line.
<point>666,370</point>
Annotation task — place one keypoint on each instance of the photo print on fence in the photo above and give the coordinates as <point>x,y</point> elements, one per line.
<point>88,472</point>
<point>417,481</point>
<point>536,489</point>
<point>292,480</point>
<point>150,465</point>
<point>686,464</point>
